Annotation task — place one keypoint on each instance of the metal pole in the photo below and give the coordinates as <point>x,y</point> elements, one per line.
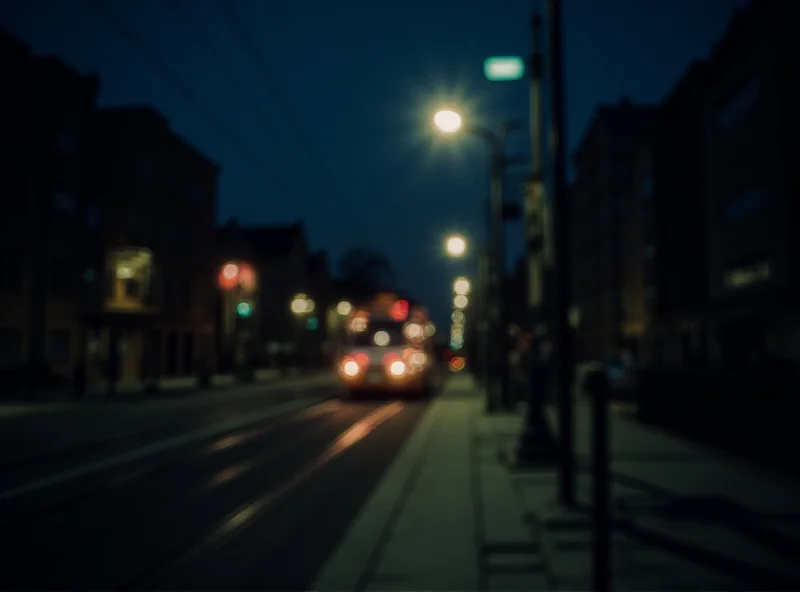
<point>564,285</point>
<point>498,197</point>
<point>496,272</point>
<point>601,551</point>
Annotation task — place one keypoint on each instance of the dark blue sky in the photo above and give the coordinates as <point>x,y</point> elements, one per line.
<point>362,79</point>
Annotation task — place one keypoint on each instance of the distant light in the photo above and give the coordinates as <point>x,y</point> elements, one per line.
<point>460,301</point>
<point>124,272</point>
<point>447,121</point>
<point>457,316</point>
<point>430,330</point>
<point>309,306</point>
<point>456,246</point>
<point>299,303</point>
<point>397,368</point>
<point>499,69</point>
<point>381,338</point>
<point>461,286</point>
<point>230,271</point>
<point>313,323</point>
<point>413,331</point>
<point>399,310</point>
<point>244,309</point>
<point>344,308</point>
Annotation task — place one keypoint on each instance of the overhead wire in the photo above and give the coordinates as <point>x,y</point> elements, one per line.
<point>102,9</point>
<point>265,128</point>
<point>239,29</point>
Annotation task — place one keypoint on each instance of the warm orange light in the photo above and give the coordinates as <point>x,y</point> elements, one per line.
<point>457,364</point>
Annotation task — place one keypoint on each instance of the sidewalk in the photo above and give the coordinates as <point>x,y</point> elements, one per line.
<point>450,515</point>
<point>41,430</point>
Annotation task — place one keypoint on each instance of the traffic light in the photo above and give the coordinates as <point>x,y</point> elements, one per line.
<point>244,309</point>
<point>313,323</point>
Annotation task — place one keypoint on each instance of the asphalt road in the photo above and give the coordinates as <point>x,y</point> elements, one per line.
<point>258,508</point>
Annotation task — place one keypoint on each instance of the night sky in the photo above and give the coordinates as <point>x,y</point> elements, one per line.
<point>362,80</point>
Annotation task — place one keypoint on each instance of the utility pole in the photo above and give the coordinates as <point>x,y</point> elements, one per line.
<point>536,445</point>
<point>496,274</point>
<point>562,215</point>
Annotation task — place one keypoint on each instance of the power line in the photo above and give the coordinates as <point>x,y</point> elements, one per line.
<point>207,38</point>
<point>240,31</point>
<point>112,19</point>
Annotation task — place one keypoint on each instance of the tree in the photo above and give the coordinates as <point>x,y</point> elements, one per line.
<point>366,272</point>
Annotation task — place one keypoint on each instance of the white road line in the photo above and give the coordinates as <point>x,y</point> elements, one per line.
<point>153,449</point>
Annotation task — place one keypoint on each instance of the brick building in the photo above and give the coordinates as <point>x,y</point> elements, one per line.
<point>47,109</point>
<point>148,243</point>
<point>600,195</point>
<point>750,137</point>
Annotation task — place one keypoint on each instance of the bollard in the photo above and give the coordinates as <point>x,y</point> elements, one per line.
<point>537,446</point>
<point>598,388</point>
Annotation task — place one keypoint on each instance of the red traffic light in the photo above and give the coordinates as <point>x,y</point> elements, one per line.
<point>399,310</point>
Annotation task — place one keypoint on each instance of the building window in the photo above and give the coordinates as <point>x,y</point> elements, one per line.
<point>131,288</point>
<point>647,187</point>
<point>64,202</point>
<point>738,103</point>
<point>92,220</point>
<point>60,279</point>
<point>58,347</point>
<point>743,205</point>
<point>10,347</point>
<point>747,275</point>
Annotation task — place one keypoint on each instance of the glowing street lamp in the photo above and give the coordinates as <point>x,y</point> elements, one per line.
<point>344,308</point>
<point>461,286</point>
<point>460,301</point>
<point>456,246</point>
<point>447,121</point>
<point>300,304</point>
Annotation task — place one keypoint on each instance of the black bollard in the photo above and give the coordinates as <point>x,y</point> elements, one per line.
<point>598,388</point>
<point>537,446</point>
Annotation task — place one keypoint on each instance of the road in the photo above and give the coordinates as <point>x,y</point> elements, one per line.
<point>257,507</point>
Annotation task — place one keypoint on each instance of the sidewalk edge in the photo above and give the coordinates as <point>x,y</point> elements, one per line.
<point>360,549</point>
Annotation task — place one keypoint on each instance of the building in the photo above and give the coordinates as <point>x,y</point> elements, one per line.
<point>48,108</point>
<point>750,137</point>
<point>280,256</point>
<point>148,242</point>
<point>600,194</point>
<point>666,279</point>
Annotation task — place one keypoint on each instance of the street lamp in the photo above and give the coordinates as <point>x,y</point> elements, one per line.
<point>447,121</point>
<point>460,301</point>
<point>461,286</point>
<point>456,246</point>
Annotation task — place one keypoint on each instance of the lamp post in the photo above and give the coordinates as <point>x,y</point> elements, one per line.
<point>449,121</point>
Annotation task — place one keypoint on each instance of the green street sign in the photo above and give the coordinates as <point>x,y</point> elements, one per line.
<point>500,69</point>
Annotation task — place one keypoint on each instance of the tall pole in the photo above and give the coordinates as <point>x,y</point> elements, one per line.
<point>496,273</point>
<point>535,196</point>
<point>562,255</point>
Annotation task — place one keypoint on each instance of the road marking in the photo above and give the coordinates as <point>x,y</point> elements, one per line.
<point>153,449</point>
<point>247,513</point>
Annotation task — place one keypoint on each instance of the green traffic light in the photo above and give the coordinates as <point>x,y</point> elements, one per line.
<point>313,323</point>
<point>243,309</point>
